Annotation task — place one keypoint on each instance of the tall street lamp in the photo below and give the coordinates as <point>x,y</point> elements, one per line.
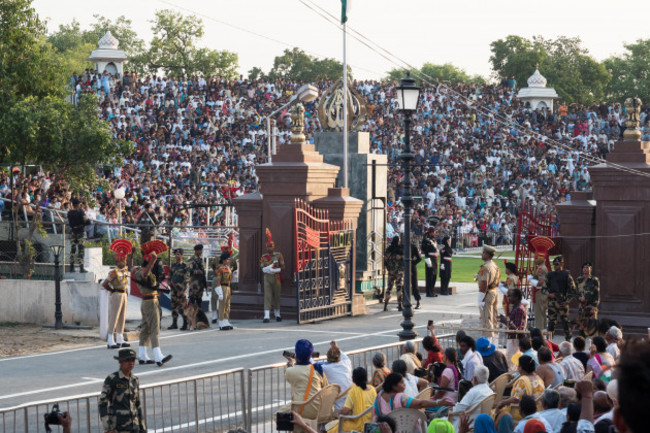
<point>119,194</point>
<point>408,95</point>
<point>306,93</point>
<point>58,315</point>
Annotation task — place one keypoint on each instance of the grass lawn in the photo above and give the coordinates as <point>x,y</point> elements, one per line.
<point>464,269</point>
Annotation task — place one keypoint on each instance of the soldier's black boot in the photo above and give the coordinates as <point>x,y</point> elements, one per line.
<point>174,324</point>
<point>417,305</point>
<point>184,327</point>
<point>71,269</point>
<point>82,270</point>
<point>399,306</point>
<point>385,304</point>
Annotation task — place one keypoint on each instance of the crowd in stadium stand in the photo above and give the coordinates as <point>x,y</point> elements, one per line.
<point>477,153</point>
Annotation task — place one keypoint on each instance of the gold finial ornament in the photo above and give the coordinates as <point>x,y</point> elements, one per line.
<point>330,109</point>
<point>297,124</point>
<point>633,110</point>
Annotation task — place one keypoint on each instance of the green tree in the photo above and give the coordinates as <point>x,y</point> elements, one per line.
<point>431,73</point>
<point>514,56</point>
<point>567,66</point>
<point>630,73</point>
<point>255,73</point>
<point>297,65</point>
<point>37,124</point>
<point>173,48</point>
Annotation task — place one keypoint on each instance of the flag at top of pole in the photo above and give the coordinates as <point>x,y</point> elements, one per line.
<point>345,10</point>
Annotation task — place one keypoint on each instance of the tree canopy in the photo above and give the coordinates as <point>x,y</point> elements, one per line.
<point>297,65</point>
<point>631,72</point>
<point>431,73</point>
<point>37,124</point>
<point>567,66</point>
<point>174,50</point>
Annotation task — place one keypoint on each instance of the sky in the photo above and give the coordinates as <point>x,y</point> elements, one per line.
<point>414,32</point>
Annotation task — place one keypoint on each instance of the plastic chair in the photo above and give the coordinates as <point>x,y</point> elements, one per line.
<point>499,386</point>
<point>352,417</point>
<point>484,405</point>
<point>409,420</point>
<point>344,393</point>
<point>323,402</point>
<point>425,394</point>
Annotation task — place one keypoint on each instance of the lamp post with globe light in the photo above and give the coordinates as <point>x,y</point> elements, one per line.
<point>119,194</point>
<point>408,95</point>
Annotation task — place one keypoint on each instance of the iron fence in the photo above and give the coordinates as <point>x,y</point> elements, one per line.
<point>207,403</point>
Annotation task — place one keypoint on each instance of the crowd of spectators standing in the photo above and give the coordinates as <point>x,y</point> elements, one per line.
<point>198,140</point>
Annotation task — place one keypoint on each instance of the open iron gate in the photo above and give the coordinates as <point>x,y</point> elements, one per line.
<point>323,264</point>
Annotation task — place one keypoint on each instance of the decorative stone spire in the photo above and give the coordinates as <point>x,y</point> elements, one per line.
<point>536,80</point>
<point>108,41</point>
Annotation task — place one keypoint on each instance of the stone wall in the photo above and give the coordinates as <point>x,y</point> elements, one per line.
<point>30,301</point>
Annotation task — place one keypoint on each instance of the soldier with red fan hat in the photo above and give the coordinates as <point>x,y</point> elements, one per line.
<point>147,283</point>
<point>541,245</point>
<point>117,284</point>
<point>272,264</point>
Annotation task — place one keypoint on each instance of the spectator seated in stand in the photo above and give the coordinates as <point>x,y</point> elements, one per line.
<point>381,371</point>
<point>476,394</point>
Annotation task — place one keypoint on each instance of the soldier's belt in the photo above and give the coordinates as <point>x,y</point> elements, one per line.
<point>119,290</point>
<point>447,258</point>
<point>149,297</point>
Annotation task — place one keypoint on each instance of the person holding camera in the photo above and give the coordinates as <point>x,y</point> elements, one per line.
<point>305,377</point>
<point>119,405</point>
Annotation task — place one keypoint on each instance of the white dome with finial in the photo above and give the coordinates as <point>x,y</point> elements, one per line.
<point>537,80</point>
<point>108,41</point>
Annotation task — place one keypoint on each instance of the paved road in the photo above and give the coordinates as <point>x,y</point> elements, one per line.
<point>61,374</point>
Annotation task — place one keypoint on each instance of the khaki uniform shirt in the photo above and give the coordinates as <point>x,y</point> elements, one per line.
<point>490,274</point>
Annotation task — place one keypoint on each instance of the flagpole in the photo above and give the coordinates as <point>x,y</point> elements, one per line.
<point>345,111</point>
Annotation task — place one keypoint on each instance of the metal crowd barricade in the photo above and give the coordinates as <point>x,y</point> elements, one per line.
<point>212,402</point>
<point>476,333</point>
<point>268,391</point>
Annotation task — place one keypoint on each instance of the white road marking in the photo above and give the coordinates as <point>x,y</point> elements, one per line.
<point>54,388</point>
<point>90,380</point>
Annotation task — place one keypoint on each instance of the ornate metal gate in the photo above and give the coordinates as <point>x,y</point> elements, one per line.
<point>323,264</point>
<point>531,223</point>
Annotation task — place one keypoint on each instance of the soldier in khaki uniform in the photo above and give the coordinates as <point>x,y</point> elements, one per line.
<point>222,283</point>
<point>488,279</point>
<point>117,284</point>
<point>119,402</point>
<point>150,330</point>
<point>272,264</point>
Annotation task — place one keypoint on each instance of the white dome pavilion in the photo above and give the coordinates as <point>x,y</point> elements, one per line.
<point>537,94</point>
<point>108,57</point>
